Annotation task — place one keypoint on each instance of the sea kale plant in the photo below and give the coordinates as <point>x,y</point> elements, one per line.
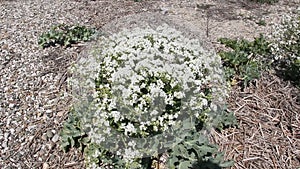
<point>286,47</point>
<point>65,35</point>
<point>246,60</point>
<point>142,92</point>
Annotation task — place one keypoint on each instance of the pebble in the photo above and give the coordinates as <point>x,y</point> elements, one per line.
<point>48,111</point>
<point>55,138</point>
<point>49,134</point>
<point>45,166</point>
<point>44,137</point>
<point>11,105</point>
<point>4,144</point>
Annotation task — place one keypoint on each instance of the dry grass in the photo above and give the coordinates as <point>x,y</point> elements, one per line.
<point>268,134</point>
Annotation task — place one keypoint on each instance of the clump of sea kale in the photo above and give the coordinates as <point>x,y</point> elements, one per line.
<point>146,91</point>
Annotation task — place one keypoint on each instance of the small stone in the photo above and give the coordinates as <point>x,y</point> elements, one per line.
<point>55,138</point>
<point>6,135</point>
<point>5,89</point>
<point>44,137</point>
<point>48,111</point>
<point>4,144</point>
<point>60,113</point>
<point>12,131</point>
<point>164,10</point>
<point>11,105</point>
<point>49,134</point>
<point>5,46</point>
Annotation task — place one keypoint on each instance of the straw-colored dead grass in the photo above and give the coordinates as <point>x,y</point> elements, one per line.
<point>268,134</point>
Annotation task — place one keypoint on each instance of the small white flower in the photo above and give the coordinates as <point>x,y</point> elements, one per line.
<point>115,115</point>
<point>179,95</point>
<point>155,128</point>
<point>129,128</point>
<point>171,122</point>
<point>132,144</point>
<point>170,116</point>
<point>204,102</point>
<point>142,126</point>
<point>154,113</point>
<point>130,154</point>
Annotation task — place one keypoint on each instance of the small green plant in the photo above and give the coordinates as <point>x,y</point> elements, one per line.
<point>261,22</point>
<point>246,60</point>
<point>65,35</point>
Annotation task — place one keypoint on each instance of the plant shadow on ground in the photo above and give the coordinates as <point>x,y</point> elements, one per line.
<point>290,73</point>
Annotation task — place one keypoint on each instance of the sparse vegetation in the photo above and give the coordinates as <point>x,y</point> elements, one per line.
<point>246,60</point>
<point>65,35</point>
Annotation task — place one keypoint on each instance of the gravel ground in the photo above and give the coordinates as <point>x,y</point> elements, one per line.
<point>33,93</point>
<point>32,80</point>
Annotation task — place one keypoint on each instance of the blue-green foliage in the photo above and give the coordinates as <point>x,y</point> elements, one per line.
<point>193,152</point>
<point>196,152</point>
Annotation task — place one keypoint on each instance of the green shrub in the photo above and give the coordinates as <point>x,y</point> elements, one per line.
<point>65,35</point>
<point>246,60</point>
<point>146,91</point>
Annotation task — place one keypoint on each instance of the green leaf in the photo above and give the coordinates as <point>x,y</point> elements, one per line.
<point>227,164</point>
<point>65,35</point>
<point>185,165</point>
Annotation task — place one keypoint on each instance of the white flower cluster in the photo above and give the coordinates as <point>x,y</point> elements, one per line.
<point>286,38</point>
<point>144,71</point>
<point>145,81</point>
